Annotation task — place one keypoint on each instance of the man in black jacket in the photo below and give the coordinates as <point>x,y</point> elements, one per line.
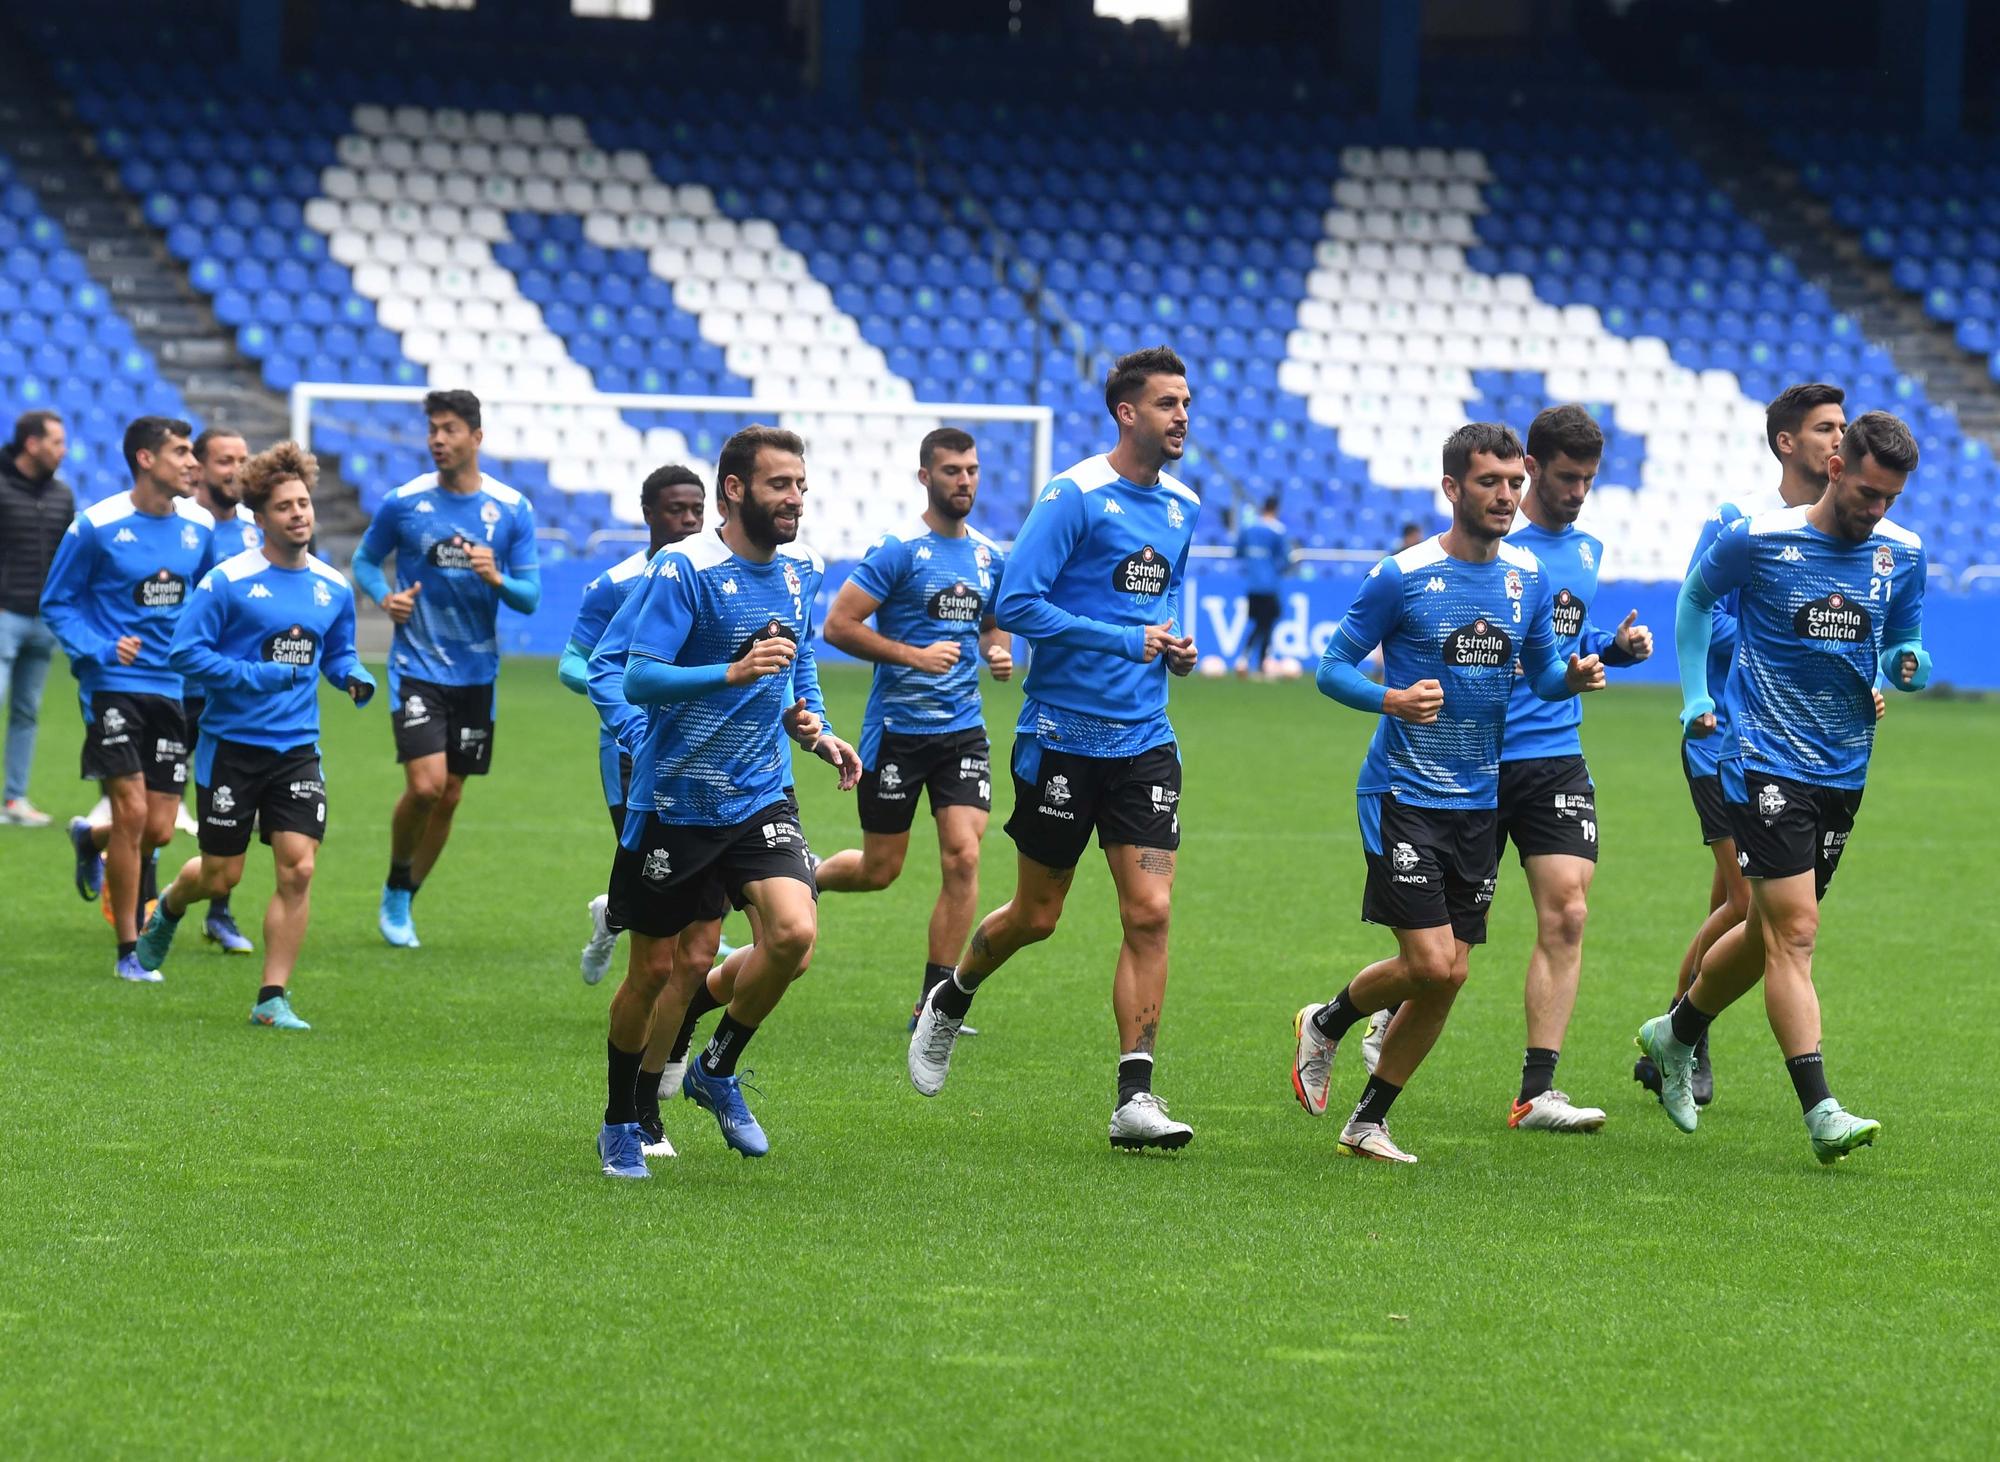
<point>35,510</point>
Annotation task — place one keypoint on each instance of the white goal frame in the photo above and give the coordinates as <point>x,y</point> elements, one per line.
<point>306,394</point>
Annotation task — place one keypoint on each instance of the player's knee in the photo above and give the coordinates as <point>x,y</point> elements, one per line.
<point>1562,922</point>
<point>787,939</point>
<point>1434,973</point>
<point>1145,918</point>
<point>1795,932</point>
<point>959,865</point>
<point>295,878</point>
<point>1033,921</point>
<point>450,795</point>
<point>879,871</point>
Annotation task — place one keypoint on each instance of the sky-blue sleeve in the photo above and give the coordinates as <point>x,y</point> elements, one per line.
<point>1903,631</point>
<point>63,593</point>
<point>882,568</point>
<point>1374,612</point>
<point>380,539</point>
<point>1051,533</point>
<point>523,558</point>
<point>604,681</point>
<point>1548,673</point>
<point>1341,679</point>
<point>193,654</point>
<point>805,675</point>
<point>1723,637</point>
<point>340,662</point>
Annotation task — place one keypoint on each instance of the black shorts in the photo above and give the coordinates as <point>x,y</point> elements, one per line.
<point>1710,806</point>
<point>1784,828</point>
<point>624,789</point>
<point>281,791</point>
<point>127,735</point>
<point>1429,866</point>
<point>1262,610</point>
<point>456,720</point>
<point>1547,805</point>
<point>681,875</point>
<point>954,767</point>
<point>1132,801</point>
<point>191,708</point>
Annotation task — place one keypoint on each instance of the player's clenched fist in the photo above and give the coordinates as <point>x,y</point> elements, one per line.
<point>128,648</point>
<point>1586,674</point>
<point>479,558</point>
<point>765,657</point>
<point>1418,704</point>
<point>934,659</point>
<point>402,604</point>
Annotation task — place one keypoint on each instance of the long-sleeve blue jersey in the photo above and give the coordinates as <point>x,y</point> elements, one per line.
<point>252,638</point>
<point>1571,561</point>
<point>927,588</point>
<point>1098,559</point>
<point>1464,625</point>
<point>603,597</point>
<point>120,572</point>
<point>237,533</point>
<point>721,754</point>
<point>1814,616</point>
<point>452,634</point>
<point>1263,549</point>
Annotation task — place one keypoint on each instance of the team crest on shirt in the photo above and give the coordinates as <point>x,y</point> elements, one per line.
<point>1585,557</point>
<point>489,513</point>
<point>1057,792</point>
<point>658,866</point>
<point>1175,517</point>
<point>224,801</point>
<point>1513,583</point>
<point>114,720</point>
<point>983,557</point>
<point>1770,801</point>
<point>892,777</point>
<point>1885,561</point>
<point>322,596</point>
<point>189,537</point>
<point>791,579</point>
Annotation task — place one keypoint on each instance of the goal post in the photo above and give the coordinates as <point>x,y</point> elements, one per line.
<point>861,454</point>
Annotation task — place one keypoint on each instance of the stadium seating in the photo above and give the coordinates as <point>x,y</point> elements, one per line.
<point>1343,294</point>
<point>65,347</point>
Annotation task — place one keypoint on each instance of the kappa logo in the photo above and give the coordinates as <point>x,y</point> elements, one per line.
<point>1770,801</point>
<point>125,535</point>
<point>923,553</point>
<point>114,720</point>
<point>322,596</point>
<point>1885,561</point>
<point>892,777</point>
<point>1111,506</point>
<point>424,506</point>
<point>1052,494</point>
<point>658,867</point>
<point>1057,793</point>
<point>224,800</point>
<point>1433,585</point>
<point>1403,857</point>
<point>1791,554</point>
<point>729,586</point>
<point>258,591</point>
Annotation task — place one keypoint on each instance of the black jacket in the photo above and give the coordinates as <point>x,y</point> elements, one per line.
<point>33,517</point>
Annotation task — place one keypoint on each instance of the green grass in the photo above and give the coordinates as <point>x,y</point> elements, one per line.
<point>390,1236</point>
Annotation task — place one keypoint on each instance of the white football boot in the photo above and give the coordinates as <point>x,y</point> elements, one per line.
<point>1143,1122</point>
<point>596,957</point>
<point>1312,1061</point>
<point>1553,1111</point>
<point>1371,1140</point>
<point>1371,1044</point>
<point>931,1045</point>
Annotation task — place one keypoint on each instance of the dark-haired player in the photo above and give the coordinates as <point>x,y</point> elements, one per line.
<point>713,642</point>
<point>930,589</point>
<point>1094,586</point>
<point>114,595</point>
<point>1829,599</point>
<point>264,625</point>
<point>1802,426</point>
<point>464,545</point>
<point>1264,549</point>
<point>1454,616</point>
<point>671,500</point>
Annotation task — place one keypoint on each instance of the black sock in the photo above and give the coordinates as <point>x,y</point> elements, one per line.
<point>127,946</point>
<point>730,1037</point>
<point>1338,1016</point>
<point>1135,1074</point>
<point>621,1083</point>
<point>218,907</point>
<point>399,876</point>
<point>1690,1022</point>
<point>149,881</point>
<point>1538,1071</point>
<point>646,1095</point>
<point>1808,1073</point>
<point>1375,1100</point>
<point>934,975</point>
<point>952,998</point>
<point>269,992</point>
<point>702,1003</point>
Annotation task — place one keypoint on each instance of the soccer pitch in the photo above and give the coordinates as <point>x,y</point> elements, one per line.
<point>390,1235</point>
